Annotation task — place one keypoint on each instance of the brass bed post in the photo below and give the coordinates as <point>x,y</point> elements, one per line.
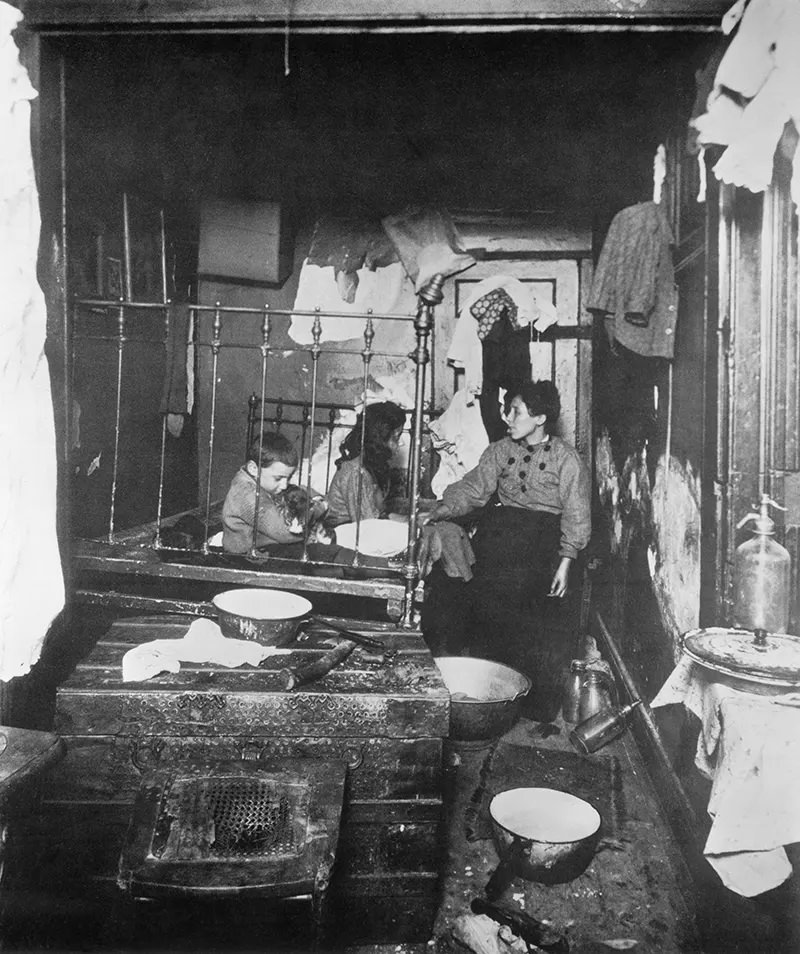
<point>264,348</point>
<point>316,334</point>
<point>165,299</point>
<point>331,429</point>
<point>117,415</point>
<point>216,339</point>
<point>429,296</point>
<point>161,467</point>
<point>366,357</point>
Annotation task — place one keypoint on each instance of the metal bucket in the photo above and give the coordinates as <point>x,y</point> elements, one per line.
<point>542,835</point>
<point>269,617</point>
<point>485,696</point>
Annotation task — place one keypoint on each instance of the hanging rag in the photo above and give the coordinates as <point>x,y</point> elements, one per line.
<point>387,290</point>
<point>449,543</point>
<point>493,307</point>
<point>465,349</point>
<point>704,90</point>
<point>348,244</point>
<point>427,243</point>
<point>175,394</point>
<point>756,92</point>
<point>634,283</point>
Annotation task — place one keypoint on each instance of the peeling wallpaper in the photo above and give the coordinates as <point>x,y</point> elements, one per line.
<point>675,549</point>
<point>668,515</point>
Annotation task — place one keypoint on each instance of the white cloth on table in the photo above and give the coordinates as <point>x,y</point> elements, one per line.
<point>384,291</point>
<point>750,748</point>
<point>465,346</point>
<point>203,642</point>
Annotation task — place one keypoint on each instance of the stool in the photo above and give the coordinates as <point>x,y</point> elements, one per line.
<point>258,829</point>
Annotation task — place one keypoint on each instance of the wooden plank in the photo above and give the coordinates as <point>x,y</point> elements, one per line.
<point>405,773</point>
<point>128,632</point>
<point>81,843</point>
<point>105,558</point>
<point>85,13</point>
<point>24,754</point>
<point>388,849</point>
<point>324,714</point>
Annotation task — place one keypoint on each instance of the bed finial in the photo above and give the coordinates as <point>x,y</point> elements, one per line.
<point>431,292</point>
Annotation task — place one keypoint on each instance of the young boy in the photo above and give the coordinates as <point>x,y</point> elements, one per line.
<point>278,463</point>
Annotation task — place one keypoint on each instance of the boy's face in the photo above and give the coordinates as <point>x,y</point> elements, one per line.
<point>273,478</point>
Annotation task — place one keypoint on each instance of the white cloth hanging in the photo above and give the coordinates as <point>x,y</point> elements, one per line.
<point>762,67</point>
<point>31,579</point>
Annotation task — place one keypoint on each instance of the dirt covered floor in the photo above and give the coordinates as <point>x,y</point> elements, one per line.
<point>629,897</point>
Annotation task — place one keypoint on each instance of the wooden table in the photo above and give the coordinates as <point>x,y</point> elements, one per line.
<point>386,719</point>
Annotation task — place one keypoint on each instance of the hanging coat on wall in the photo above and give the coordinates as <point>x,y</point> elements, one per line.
<point>634,283</point>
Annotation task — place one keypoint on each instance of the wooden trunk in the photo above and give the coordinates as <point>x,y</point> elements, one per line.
<point>385,719</point>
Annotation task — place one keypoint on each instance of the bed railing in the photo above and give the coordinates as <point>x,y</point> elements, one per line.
<point>317,418</point>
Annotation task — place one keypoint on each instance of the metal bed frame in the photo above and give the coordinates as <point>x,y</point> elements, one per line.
<point>136,554</point>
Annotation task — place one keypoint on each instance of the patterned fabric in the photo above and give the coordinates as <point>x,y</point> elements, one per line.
<point>490,309</point>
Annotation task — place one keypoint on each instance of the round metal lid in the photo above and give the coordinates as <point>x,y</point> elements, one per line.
<point>734,652</point>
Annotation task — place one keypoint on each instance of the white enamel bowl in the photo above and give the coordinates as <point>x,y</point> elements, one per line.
<point>269,617</point>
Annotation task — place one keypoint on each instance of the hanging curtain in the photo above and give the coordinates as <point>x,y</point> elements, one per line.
<point>31,579</point>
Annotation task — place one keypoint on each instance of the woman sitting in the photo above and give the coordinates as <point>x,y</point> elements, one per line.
<point>360,486</point>
<point>524,547</point>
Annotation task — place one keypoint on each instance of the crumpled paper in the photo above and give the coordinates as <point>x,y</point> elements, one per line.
<point>202,642</point>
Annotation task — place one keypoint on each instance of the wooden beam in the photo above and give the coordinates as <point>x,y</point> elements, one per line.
<point>371,15</point>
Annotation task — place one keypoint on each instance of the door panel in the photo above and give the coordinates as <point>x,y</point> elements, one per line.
<point>554,355</point>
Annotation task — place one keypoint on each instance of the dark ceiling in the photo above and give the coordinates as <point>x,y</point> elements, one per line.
<point>562,121</point>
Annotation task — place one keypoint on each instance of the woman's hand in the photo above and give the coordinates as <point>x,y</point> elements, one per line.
<point>559,585</point>
<point>439,512</point>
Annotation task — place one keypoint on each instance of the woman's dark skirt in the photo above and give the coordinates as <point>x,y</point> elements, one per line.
<point>504,613</point>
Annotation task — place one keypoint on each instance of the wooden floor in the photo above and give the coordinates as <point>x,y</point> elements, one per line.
<point>634,890</point>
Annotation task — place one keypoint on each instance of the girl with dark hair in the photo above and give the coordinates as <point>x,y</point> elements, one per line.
<point>524,547</point>
<point>360,485</point>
